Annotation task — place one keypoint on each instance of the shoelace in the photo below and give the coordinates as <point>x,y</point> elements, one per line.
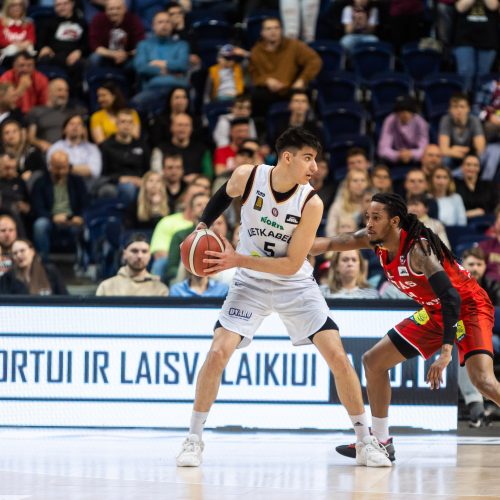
<point>377,444</point>
<point>190,445</point>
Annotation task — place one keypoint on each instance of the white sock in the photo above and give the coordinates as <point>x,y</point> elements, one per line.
<point>380,428</point>
<point>198,419</point>
<point>360,424</point>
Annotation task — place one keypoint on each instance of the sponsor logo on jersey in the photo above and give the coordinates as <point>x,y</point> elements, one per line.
<point>420,317</point>
<point>259,201</point>
<point>275,212</point>
<point>403,271</point>
<point>261,194</point>
<point>268,233</point>
<point>292,219</point>
<point>460,330</point>
<point>272,223</point>
<point>239,313</point>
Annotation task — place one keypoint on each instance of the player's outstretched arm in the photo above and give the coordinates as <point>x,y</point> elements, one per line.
<point>426,262</point>
<point>341,242</point>
<point>221,200</point>
<point>299,247</point>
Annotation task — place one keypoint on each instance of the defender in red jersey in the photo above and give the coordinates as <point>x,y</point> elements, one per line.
<point>455,309</point>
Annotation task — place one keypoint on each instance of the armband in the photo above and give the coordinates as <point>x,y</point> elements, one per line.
<point>219,202</point>
<point>450,304</point>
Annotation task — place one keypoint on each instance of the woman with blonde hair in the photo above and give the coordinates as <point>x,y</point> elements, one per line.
<point>451,208</point>
<point>29,275</point>
<point>349,199</point>
<point>347,277</point>
<point>17,32</point>
<point>151,204</point>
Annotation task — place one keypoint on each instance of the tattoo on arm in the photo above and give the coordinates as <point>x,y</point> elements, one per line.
<point>424,262</point>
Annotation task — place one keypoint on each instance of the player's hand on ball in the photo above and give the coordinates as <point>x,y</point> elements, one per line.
<point>220,261</point>
<point>435,373</point>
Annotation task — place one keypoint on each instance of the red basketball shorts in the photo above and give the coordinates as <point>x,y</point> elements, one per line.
<point>424,331</point>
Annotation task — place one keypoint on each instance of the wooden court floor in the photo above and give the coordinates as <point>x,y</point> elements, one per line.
<point>102,465</point>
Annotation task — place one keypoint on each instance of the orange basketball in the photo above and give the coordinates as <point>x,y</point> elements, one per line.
<point>193,250</point>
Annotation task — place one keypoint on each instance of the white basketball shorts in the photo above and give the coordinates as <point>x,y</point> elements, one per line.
<point>300,305</point>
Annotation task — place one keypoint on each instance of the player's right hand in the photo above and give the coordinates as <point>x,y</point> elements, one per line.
<point>201,225</point>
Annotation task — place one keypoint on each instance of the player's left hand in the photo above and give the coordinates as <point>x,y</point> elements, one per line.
<point>435,373</point>
<point>221,260</point>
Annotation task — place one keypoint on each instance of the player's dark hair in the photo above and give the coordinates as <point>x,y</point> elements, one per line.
<point>415,230</point>
<point>297,138</point>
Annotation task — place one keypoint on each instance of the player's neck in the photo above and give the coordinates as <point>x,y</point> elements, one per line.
<point>392,243</point>
<point>281,180</point>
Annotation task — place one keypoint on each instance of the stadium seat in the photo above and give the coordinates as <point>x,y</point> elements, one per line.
<point>372,58</point>
<point>338,151</point>
<point>97,76</point>
<point>332,55</point>
<point>479,225</point>
<point>386,87</point>
<point>437,90</point>
<point>336,87</point>
<point>52,72</point>
<point>466,241</point>
<point>343,118</point>
<point>420,63</point>
<point>220,32</point>
<point>213,110</point>
<point>275,114</point>
<point>146,10</point>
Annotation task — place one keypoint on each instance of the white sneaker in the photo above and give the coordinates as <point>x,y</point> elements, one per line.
<point>371,453</point>
<point>190,455</point>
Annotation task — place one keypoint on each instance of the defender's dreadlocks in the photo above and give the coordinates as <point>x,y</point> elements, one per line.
<point>415,230</point>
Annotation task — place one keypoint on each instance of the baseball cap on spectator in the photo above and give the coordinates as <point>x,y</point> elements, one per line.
<point>226,51</point>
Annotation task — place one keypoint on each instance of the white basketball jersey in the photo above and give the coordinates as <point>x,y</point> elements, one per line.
<point>267,225</point>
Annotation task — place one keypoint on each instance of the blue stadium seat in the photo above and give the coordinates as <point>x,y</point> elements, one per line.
<point>332,54</point>
<point>438,89</point>
<point>420,63</point>
<point>372,58</point>
<point>479,225</point>
<point>97,76</point>
<point>147,9</point>
<point>343,118</point>
<point>208,51</point>
<point>275,114</point>
<point>386,87</point>
<point>338,151</point>
<point>336,87</point>
<point>52,72</point>
<point>213,110</point>
<point>220,32</point>
<point>466,241</point>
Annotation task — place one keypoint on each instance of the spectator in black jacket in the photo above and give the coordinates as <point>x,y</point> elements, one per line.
<point>58,200</point>
<point>480,197</point>
<point>63,41</point>
<point>29,275</point>
<point>124,160</point>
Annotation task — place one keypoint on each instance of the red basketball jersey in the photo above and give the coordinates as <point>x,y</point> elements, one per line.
<point>399,272</point>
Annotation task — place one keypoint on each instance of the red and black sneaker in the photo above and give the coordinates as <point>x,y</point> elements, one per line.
<point>349,450</point>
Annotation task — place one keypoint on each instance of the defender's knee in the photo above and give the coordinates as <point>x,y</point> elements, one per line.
<point>373,363</point>
<point>217,359</point>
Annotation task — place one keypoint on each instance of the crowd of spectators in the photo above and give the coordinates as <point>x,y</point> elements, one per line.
<point>116,125</point>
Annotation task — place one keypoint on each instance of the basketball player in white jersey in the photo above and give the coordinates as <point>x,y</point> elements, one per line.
<point>280,215</point>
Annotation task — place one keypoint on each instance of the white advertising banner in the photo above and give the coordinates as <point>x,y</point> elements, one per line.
<point>137,366</point>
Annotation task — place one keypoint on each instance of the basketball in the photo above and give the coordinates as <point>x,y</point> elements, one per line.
<point>193,250</point>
